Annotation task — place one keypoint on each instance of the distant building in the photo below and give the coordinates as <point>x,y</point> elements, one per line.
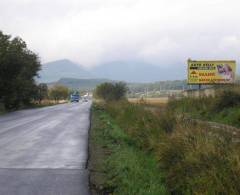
<point>207,92</point>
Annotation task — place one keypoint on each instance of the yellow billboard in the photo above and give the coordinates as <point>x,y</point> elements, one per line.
<point>211,72</point>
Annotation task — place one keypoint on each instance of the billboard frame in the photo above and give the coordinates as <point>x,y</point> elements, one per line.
<point>210,61</point>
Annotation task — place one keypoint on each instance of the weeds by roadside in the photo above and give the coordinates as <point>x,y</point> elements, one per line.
<point>117,165</point>
<point>193,159</point>
<point>224,108</point>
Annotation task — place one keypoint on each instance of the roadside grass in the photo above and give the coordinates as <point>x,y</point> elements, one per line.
<point>199,160</point>
<point>224,108</point>
<point>117,165</point>
<point>160,101</point>
<point>142,148</point>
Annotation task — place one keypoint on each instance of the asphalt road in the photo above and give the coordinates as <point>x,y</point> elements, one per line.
<point>44,151</point>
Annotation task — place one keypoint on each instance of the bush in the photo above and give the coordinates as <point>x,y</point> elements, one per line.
<point>41,92</point>
<point>59,92</point>
<point>111,91</point>
<point>226,99</point>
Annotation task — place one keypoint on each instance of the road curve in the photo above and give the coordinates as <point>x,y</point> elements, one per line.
<point>44,151</point>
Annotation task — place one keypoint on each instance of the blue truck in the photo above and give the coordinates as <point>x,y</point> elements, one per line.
<point>74,97</point>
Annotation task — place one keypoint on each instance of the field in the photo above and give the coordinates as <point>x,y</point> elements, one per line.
<point>151,101</point>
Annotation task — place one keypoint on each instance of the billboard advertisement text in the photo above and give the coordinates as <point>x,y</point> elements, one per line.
<point>211,72</point>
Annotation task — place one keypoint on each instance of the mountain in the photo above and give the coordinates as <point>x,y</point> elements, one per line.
<point>129,71</point>
<point>81,84</point>
<point>88,84</point>
<point>135,71</point>
<point>56,70</point>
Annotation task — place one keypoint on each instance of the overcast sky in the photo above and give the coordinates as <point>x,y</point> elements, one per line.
<point>92,32</point>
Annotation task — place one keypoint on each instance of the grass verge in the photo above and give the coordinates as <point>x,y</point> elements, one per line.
<point>223,108</point>
<point>140,150</point>
<point>117,165</point>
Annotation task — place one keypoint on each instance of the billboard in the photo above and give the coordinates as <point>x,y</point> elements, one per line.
<point>211,72</point>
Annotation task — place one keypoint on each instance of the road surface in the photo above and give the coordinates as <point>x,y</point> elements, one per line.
<point>44,151</point>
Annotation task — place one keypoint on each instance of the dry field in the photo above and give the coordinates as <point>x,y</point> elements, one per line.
<point>150,101</point>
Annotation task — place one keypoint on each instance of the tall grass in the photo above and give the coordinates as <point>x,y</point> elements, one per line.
<point>198,161</point>
<point>223,108</point>
<point>195,159</point>
<point>124,167</point>
<point>142,125</point>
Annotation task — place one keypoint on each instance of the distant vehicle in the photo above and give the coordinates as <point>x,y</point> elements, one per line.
<point>74,97</point>
<point>85,99</point>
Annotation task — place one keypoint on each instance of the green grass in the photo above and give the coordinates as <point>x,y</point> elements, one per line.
<point>122,166</point>
<point>224,108</point>
<point>155,153</point>
<point>229,116</point>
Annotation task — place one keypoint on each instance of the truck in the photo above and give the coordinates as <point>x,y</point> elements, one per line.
<point>74,97</point>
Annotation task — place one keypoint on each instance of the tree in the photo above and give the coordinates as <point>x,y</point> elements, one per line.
<point>41,92</point>
<point>18,67</point>
<point>59,92</point>
<point>111,91</point>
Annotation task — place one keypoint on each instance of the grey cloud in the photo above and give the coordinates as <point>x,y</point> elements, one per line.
<point>92,32</point>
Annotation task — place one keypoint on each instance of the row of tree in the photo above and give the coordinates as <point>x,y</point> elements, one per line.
<point>57,92</point>
<point>18,70</point>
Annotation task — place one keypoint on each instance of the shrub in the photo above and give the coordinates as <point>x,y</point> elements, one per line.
<point>226,99</point>
<point>111,91</point>
<point>41,92</point>
<point>58,92</point>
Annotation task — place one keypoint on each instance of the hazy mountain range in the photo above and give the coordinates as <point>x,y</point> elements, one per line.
<point>125,71</point>
<point>53,71</point>
<point>82,84</point>
<point>88,84</point>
